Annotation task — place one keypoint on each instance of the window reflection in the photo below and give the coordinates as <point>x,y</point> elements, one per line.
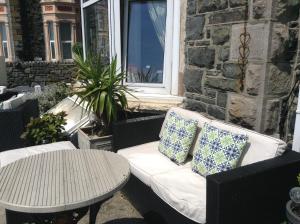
<point>51,40</point>
<point>146,41</point>
<point>4,40</point>
<point>96,28</point>
<point>66,40</point>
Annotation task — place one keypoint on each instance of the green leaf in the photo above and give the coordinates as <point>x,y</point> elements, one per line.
<point>101,86</point>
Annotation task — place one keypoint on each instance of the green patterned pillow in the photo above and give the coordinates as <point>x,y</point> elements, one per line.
<point>177,137</point>
<point>217,150</point>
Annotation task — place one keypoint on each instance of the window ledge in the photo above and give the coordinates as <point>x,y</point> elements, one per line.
<point>154,102</point>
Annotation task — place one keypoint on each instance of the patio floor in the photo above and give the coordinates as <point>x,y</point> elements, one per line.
<point>117,210</point>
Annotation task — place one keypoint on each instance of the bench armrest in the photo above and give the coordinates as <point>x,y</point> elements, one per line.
<point>256,193</point>
<point>13,123</point>
<point>136,131</point>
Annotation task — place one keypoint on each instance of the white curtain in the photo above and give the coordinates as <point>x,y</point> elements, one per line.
<point>158,13</point>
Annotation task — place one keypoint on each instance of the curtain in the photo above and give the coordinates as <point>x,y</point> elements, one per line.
<point>158,13</point>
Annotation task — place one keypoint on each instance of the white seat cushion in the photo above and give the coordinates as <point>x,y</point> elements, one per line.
<point>10,156</point>
<point>260,147</point>
<point>183,190</point>
<point>145,161</point>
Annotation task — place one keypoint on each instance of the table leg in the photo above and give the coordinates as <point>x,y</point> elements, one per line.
<point>94,209</point>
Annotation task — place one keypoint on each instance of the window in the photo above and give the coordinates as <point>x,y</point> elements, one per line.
<point>96,29</point>
<point>4,40</point>
<point>51,40</point>
<point>145,41</point>
<point>66,40</point>
<point>143,34</point>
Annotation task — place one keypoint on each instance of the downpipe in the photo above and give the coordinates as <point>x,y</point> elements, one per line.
<point>296,141</point>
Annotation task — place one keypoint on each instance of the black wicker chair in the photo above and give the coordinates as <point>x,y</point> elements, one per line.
<point>7,95</point>
<point>13,123</point>
<point>255,193</point>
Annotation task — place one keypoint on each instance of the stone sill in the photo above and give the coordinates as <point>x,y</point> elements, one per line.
<point>154,102</point>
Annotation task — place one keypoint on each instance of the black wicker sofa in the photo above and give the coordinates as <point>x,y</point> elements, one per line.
<point>13,123</point>
<point>254,193</point>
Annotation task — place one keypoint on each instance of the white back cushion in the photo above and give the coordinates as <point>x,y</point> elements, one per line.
<point>14,102</point>
<point>11,156</point>
<point>187,114</point>
<point>260,147</point>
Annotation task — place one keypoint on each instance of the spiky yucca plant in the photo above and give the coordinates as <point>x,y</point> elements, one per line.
<point>100,87</point>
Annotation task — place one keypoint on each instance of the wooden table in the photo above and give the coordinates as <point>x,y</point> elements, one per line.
<point>61,181</point>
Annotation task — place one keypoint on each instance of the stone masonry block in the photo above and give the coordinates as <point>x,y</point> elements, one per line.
<point>242,111</point>
<point>193,80</point>
<point>194,27</point>
<point>211,5</point>
<point>201,57</point>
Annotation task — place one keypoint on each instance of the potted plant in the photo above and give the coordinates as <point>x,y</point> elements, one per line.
<point>293,206</point>
<point>101,92</point>
<point>48,128</point>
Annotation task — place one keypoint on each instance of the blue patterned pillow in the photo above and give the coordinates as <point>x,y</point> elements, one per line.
<point>177,137</point>
<point>217,150</point>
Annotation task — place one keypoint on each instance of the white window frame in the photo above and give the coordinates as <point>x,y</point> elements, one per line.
<point>172,43</point>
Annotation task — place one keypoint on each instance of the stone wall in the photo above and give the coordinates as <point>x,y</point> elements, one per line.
<point>42,73</point>
<point>212,75</point>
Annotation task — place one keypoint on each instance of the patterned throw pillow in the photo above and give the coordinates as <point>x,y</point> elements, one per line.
<point>217,150</point>
<point>177,137</point>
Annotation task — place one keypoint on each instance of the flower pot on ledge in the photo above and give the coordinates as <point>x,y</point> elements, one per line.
<point>88,140</point>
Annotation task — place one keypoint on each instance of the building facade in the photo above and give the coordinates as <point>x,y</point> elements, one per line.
<point>39,29</point>
<point>61,22</point>
<point>230,59</point>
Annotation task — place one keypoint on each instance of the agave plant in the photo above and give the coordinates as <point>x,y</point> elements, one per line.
<point>100,87</point>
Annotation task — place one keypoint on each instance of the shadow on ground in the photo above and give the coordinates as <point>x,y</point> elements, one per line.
<point>150,218</point>
<point>126,221</point>
<point>117,210</point>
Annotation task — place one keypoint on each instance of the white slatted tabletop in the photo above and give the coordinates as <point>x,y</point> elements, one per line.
<point>61,180</point>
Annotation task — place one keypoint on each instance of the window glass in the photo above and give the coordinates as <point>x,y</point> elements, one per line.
<point>51,33</point>
<point>96,28</point>
<point>3,32</point>
<point>51,39</point>
<point>4,40</point>
<point>67,50</point>
<point>5,50</point>
<point>52,47</point>
<point>65,32</point>
<point>146,41</point>
<point>66,40</point>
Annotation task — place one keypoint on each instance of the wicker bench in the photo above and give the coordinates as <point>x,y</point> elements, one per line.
<point>255,192</point>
